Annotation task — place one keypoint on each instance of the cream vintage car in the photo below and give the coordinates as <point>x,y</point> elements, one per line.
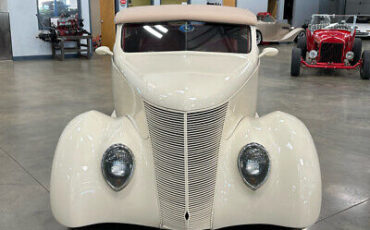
<point>271,30</point>
<point>184,147</point>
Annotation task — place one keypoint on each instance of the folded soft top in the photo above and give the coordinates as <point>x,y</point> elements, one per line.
<point>206,13</point>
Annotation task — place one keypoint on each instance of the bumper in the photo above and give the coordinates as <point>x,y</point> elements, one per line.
<point>290,197</point>
<point>323,65</point>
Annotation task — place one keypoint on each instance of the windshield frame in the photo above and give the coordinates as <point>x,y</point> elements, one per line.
<point>315,26</point>
<point>244,27</point>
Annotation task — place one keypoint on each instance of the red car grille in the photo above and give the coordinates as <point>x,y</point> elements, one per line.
<point>185,150</point>
<point>331,52</point>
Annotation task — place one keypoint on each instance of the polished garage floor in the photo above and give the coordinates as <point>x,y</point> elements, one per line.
<point>38,98</point>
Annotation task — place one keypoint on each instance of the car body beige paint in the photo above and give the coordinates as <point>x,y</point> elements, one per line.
<point>291,195</point>
<point>277,31</point>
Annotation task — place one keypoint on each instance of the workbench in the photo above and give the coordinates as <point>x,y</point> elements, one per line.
<point>82,49</point>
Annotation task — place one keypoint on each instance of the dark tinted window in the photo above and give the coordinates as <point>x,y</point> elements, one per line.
<point>54,9</point>
<point>186,35</point>
<point>363,19</point>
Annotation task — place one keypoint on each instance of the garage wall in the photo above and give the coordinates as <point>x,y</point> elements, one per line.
<point>24,28</point>
<point>332,6</point>
<point>303,10</point>
<point>198,2</point>
<point>357,7</point>
<point>253,5</point>
<point>3,5</point>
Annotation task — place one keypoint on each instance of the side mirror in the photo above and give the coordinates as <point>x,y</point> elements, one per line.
<point>269,52</point>
<point>104,50</point>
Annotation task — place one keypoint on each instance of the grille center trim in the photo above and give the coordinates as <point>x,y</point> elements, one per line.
<point>186,171</point>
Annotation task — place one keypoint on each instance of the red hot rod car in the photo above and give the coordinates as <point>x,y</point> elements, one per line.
<point>330,43</point>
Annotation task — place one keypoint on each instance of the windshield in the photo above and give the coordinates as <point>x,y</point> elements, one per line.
<point>186,35</point>
<point>332,22</point>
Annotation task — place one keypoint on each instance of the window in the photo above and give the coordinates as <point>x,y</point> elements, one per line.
<point>186,35</point>
<point>132,3</point>
<point>55,8</point>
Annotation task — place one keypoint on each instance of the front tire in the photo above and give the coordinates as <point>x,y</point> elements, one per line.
<point>295,66</point>
<point>356,49</point>
<point>302,44</point>
<point>365,68</point>
<point>259,37</point>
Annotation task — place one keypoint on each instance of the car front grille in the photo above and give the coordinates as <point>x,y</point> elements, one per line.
<point>331,52</point>
<point>185,150</point>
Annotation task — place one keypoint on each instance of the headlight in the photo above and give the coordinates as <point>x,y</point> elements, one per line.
<point>350,55</point>
<point>117,166</point>
<point>254,165</point>
<point>312,54</point>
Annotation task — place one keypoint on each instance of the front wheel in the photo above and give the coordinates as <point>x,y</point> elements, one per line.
<point>295,66</point>
<point>365,67</point>
<point>259,37</point>
<point>356,49</point>
<point>302,44</point>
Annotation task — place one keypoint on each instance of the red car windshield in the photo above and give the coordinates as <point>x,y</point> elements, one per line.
<point>332,22</point>
<point>186,36</point>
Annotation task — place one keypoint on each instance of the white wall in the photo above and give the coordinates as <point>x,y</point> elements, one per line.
<point>24,27</point>
<point>280,10</point>
<point>253,5</point>
<point>302,10</point>
<point>3,5</point>
<point>198,2</point>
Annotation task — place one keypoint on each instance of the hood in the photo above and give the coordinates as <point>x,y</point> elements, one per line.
<point>187,80</point>
<point>335,36</point>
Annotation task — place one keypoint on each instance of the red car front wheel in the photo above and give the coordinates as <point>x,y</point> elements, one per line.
<point>295,66</point>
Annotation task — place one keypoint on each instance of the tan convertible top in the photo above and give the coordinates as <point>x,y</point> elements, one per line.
<point>205,13</point>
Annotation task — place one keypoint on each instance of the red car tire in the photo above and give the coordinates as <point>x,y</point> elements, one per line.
<point>356,49</point>
<point>295,66</point>
<point>302,44</point>
<point>365,67</point>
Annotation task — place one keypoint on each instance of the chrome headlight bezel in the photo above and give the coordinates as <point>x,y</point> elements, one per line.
<point>312,54</point>
<point>245,150</point>
<point>112,152</point>
<point>350,55</point>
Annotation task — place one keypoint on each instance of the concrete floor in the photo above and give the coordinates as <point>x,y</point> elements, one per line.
<point>38,98</point>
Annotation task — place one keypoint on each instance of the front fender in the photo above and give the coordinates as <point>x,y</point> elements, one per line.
<point>291,195</point>
<point>289,37</point>
<point>79,194</point>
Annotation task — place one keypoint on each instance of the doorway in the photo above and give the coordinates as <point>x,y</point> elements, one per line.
<point>288,10</point>
<point>5,39</point>
<point>95,22</point>
<point>107,27</point>
<point>229,3</point>
<point>272,7</point>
